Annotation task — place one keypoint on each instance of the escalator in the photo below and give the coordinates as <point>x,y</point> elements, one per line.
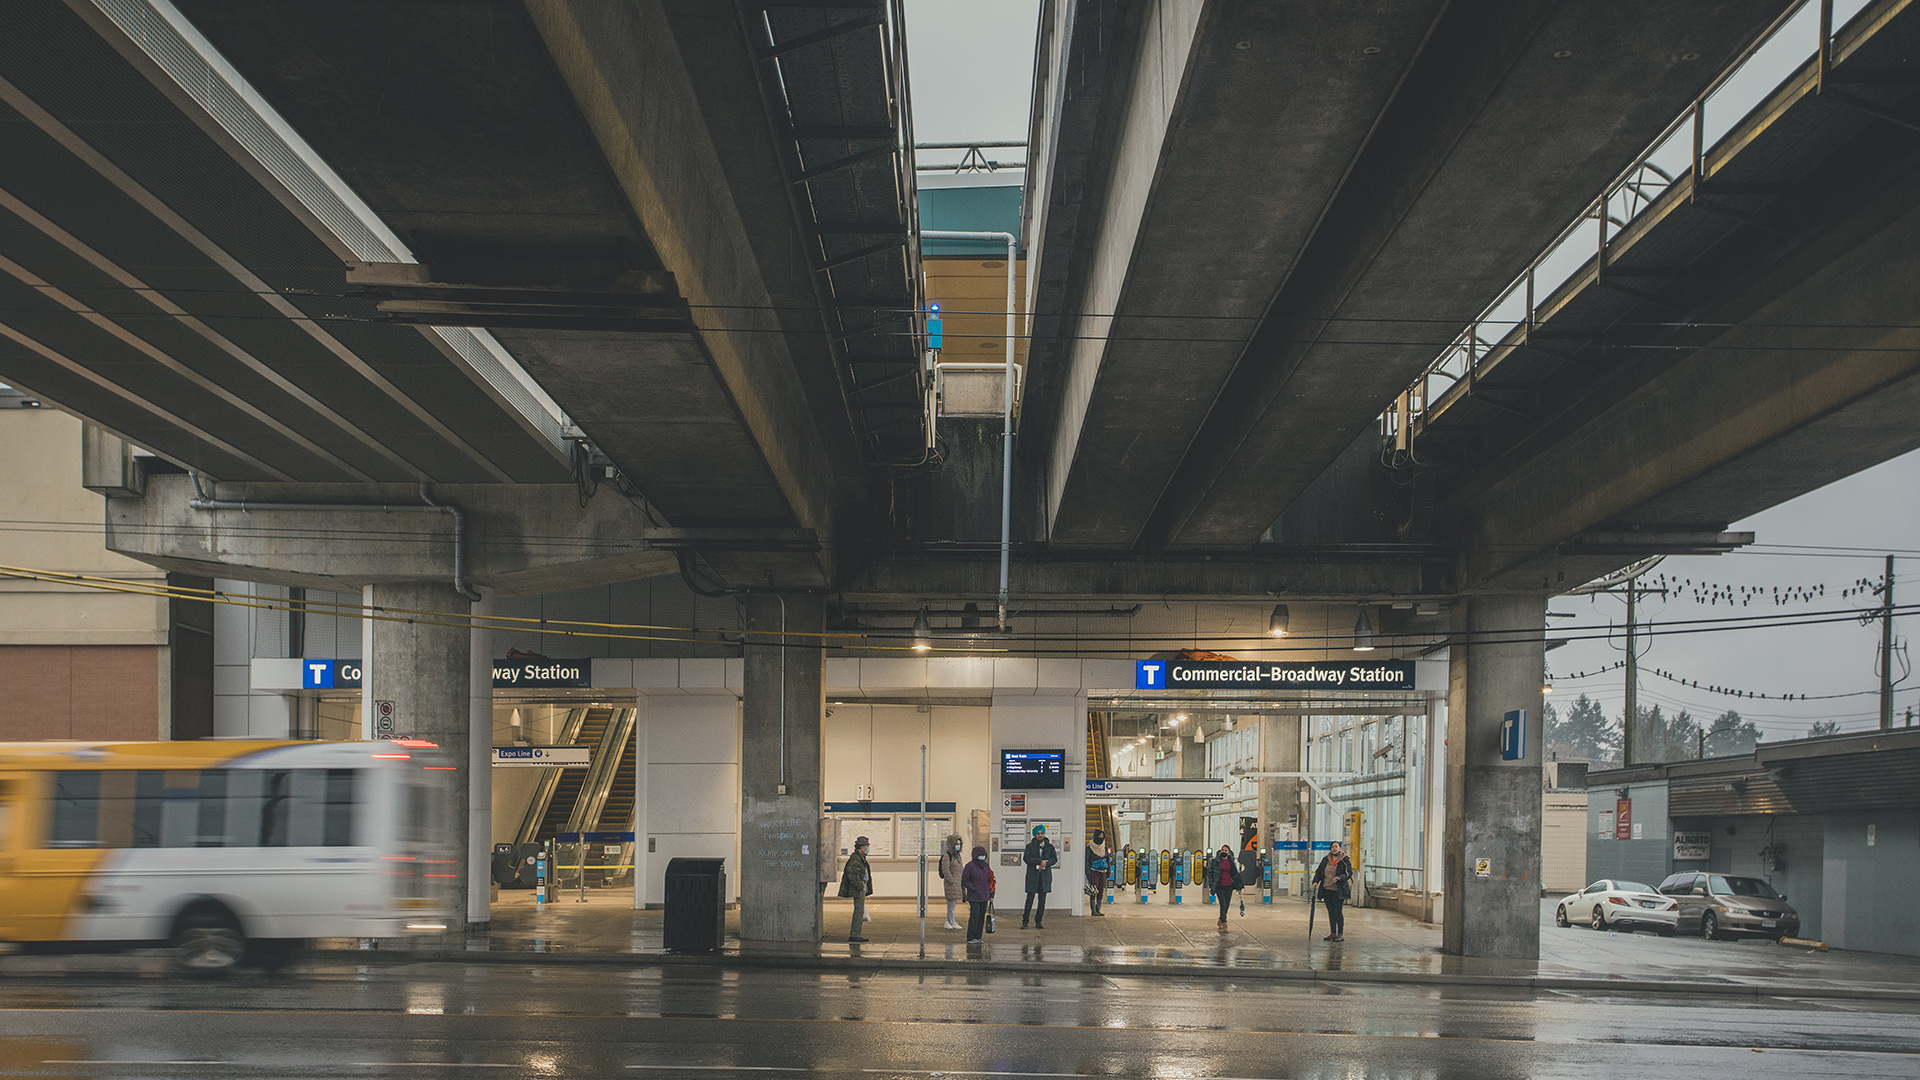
<point>1100,817</point>
<point>570,783</point>
<point>598,798</point>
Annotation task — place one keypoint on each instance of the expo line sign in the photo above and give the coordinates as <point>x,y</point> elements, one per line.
<point>533,757</point>
<point>1272,674</point>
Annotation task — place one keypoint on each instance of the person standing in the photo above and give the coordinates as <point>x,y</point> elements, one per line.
<point>1332,877</point>
<point>1098,867</point>
<point>951,866</point>
<point>856,883</point>
<point>1039,857</point>
<point>1226,880</point>
<point>976,887</point>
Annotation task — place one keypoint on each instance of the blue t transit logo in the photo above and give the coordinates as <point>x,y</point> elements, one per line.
<point>329,674</point>
<point>316,674</point>
<point>1150,675</point>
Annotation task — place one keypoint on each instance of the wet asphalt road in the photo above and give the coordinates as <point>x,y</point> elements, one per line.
<point>128,1019</point>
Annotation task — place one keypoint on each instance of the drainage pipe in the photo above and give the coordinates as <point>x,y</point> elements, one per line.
<point>202,500</point>
<point>1006,429</point>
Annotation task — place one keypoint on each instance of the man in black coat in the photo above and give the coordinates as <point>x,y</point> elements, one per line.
<point>1039,856</point>
<point>1331,877</point>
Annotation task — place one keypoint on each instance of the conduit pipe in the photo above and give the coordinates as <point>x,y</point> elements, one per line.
<point>1006,431</point>
<point>203,501</point>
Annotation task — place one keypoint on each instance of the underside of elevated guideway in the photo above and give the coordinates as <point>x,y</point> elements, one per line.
<point>1256,221</point>
<point>471,243</point>
<point>1746,335</point>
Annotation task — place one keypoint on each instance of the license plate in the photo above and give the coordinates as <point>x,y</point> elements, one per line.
<point>1766,922</point>
<point>1648,904</point>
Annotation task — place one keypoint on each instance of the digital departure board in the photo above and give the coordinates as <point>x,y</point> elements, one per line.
<point>1030,769</point>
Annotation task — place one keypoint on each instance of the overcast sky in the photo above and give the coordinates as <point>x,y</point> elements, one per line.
<point>972,64</point>
<point>1877,510</point>
<point>972,68</point>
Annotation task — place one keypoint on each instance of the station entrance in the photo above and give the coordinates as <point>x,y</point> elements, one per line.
<point>1275,778</point>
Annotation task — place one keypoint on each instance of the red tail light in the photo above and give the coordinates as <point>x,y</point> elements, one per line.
<point>1616,900</point>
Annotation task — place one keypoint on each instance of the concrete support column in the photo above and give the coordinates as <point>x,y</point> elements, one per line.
<point>1497,665</point>
<point>480,759</point>
<point>1189,815</point>
<point>424,668</point>
<point>782,705</point>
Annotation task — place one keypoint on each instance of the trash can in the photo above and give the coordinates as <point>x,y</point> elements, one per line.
<point>696,912</point>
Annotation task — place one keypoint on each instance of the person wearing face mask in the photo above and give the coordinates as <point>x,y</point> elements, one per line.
<point>1099,865</point>
<point>951,866</point>
<point>976,886</point>
<point>1226,879</point>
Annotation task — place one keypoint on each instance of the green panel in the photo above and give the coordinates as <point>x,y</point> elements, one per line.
<point>969,209</point>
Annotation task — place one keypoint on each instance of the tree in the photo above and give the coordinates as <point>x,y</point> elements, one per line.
<point>1586,733</point>
<point>1823,727</point>
<point>1728,734</point>
<point>1659,737</point>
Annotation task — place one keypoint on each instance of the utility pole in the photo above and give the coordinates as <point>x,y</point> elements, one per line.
<point>1886,653</point>
<point>1633,681</point>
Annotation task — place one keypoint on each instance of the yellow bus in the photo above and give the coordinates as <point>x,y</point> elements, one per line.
<point>224,852</point>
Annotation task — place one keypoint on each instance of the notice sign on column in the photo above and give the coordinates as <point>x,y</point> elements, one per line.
<point>383,720</point>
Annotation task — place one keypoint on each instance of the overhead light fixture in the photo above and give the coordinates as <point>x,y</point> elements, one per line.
<point>922,633</point>
<point>1363,633</point>
<point>1547,689</point>
<point>1277,622</point>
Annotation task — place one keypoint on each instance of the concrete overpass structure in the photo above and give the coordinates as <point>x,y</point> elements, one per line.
<point>363,266</point>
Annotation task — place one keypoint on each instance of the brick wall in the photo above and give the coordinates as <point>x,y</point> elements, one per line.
<point>79,692</point>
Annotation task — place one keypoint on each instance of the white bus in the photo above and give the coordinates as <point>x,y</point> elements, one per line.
<point>223,852</point>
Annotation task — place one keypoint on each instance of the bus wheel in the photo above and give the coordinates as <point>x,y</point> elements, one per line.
<point>207,943</point>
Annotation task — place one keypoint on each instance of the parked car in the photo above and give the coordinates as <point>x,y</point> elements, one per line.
<point>1728,905</point>
<point>1608,903</point>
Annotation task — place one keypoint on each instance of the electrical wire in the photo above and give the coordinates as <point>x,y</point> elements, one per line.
<point>871,640</point>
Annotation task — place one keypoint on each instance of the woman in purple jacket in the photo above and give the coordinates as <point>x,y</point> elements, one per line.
<point>976,885</point>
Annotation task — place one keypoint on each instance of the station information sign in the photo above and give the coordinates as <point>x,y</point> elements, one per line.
<point>1273,675</point>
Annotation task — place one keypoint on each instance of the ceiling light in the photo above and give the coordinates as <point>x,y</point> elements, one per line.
<point>1363,633</point>
<point>1277,622</point>
<point>922,633</point>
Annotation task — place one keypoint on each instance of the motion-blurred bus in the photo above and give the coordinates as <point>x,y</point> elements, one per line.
<point>226,853</point>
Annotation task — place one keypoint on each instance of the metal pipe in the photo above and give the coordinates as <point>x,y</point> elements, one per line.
<point>1006,432</point>
<point>203,501</point>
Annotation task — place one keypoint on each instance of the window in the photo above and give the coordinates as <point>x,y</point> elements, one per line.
<point>1630,886</point>
<point>76,810</point>
<point>153,808</point>
<point>1743,886</point>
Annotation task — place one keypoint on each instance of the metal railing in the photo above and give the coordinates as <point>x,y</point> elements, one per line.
<point>973,157</point>
<point>1682,151</point>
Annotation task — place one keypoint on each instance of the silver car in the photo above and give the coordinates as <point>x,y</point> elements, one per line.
<point>1729,905</point>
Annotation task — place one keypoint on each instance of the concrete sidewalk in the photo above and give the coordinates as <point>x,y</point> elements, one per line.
<point>1269,942</point>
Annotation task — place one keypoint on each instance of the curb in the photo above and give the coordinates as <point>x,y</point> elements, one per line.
<point>735,961</point>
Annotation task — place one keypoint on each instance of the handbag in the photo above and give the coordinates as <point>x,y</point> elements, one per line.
<point>989,922</point>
